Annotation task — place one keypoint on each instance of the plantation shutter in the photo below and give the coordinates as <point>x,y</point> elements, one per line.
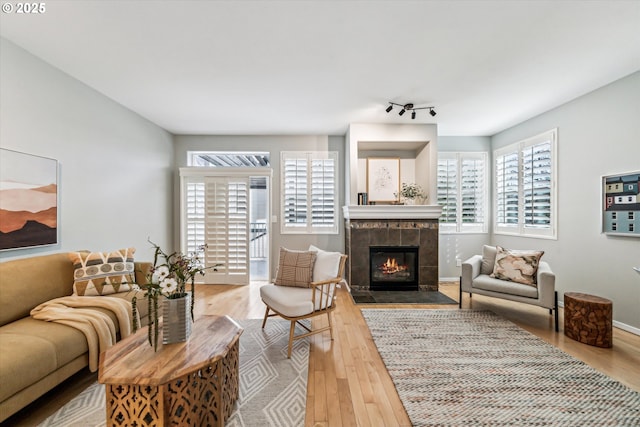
<point>536,184</point>
<point>323,192</point>
<point>194,215</point>
<point>462,191</point>
<point>525,186</point>
<point>472,192</point>
<point>227,229</point>
<point>216,214</point>
<point>507,189</point>
<point>448,190</point>
<point>309,192</point>
<point>295,192</point>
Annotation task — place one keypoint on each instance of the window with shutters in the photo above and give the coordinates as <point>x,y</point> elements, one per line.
<point>463,192</point>
<point>525,187</point>
<point>309,192</point>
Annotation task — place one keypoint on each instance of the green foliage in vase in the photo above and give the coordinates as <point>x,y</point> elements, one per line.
<point>411,191</point>
<point>168,278</point>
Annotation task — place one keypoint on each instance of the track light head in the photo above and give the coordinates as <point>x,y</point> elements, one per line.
<point>401,111</point>
<point>389,108</point>
<point>432,112</point>
<point>413,115</point>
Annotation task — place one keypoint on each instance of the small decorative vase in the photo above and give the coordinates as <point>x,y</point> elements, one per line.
<point>409,201</point>
<point>176,324</point>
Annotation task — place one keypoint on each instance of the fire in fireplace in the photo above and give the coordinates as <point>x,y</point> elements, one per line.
<point>393,268</point>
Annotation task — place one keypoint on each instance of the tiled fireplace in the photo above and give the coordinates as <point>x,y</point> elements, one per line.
<point>375,234</point>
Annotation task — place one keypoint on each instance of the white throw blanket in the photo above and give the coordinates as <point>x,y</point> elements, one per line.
<point>98,327</point>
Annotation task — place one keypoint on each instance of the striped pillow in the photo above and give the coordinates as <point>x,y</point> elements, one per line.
<point>295,268</point>
<point>102,273</point>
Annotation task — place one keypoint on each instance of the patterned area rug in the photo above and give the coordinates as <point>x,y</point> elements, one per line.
<point>273,389</point>
<point>470,368</point>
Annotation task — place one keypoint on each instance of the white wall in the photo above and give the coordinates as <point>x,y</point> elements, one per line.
<point>598,134</point>
<point>115,167</point>
<point>274,145</point>
<point>463,246</point>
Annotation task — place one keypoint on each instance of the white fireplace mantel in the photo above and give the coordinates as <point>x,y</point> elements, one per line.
<point>392,212</point>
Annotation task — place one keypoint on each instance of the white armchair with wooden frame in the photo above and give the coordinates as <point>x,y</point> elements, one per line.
<point>305,287</point>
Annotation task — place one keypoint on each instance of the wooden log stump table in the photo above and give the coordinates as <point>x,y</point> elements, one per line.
<point>192,383</point>
<point>588,319</point>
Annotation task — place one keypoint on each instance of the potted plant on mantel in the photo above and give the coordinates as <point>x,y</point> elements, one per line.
<point>412,193</point>
<point>168,278</point>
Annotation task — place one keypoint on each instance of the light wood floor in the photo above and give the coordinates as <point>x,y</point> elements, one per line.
<point>348,383</point>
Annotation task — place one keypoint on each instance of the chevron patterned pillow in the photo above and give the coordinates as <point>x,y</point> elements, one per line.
<point>102,273</point>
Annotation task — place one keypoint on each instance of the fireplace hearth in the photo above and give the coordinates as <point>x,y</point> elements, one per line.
<point>393,268</point>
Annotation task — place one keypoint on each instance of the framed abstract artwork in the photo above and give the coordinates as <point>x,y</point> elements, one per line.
<point>621,204</point>
<point>28,200</point>
<point>383,179</point>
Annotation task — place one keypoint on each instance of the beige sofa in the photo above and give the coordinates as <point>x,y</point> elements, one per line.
<point>36,355</point>
<point>476,279</point>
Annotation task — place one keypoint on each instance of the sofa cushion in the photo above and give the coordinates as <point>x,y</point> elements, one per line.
<point>23,361</point>
<point>488,259</point>
<point>102,273</point>
<point>295,268</point>
<point>517,266</point>
<point>68,342</point>
<point>488,283</point>
<point>27,282</point>
<point>32,349</point>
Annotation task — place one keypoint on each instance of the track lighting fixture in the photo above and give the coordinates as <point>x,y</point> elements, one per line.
<point>409,107</point>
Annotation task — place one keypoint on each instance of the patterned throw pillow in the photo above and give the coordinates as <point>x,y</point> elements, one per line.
<point>517,266</point>
<point>102,273</point>
<point>295,268</point>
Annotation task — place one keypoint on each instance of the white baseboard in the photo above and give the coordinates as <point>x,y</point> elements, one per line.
<point>449,279</point>
<point>625,327</point>
<point>619,325</point>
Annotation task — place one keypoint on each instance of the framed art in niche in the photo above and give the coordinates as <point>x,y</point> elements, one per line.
<point>621,204</point>
<point>383,179</point>
<point>28,200</point>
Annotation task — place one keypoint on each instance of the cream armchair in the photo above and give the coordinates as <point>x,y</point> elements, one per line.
<point>476,279</point>
<point>295,302</point>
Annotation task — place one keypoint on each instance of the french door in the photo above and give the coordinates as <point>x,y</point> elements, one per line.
<point>215,211</point>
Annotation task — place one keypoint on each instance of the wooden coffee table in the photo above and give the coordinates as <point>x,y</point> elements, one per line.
<point>193,383</point>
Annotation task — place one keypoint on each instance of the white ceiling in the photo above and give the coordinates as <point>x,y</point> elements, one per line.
<point>313,67</point>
